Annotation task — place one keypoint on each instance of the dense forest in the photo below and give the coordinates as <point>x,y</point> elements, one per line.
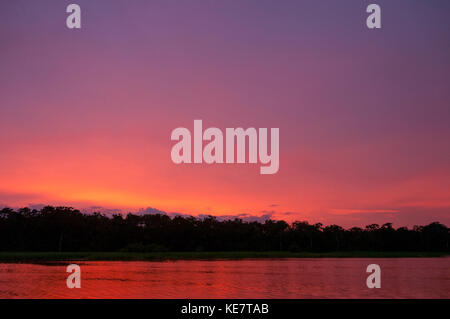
<point>67,229</point>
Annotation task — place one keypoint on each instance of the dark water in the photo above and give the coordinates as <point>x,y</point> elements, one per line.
<point>261,278</point>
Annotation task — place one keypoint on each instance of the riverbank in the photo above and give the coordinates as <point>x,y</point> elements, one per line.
<point>123,256</point>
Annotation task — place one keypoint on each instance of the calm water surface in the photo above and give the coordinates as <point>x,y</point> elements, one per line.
<point>252,278</point>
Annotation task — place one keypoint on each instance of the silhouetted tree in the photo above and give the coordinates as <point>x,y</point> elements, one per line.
<point>67,229</point>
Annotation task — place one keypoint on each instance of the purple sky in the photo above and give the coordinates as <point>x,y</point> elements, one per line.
<point>86,115</point>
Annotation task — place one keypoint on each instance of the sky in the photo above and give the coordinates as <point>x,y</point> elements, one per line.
<point>86,115</point>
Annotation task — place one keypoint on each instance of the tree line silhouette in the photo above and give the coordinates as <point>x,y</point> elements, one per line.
<point>67,229</point>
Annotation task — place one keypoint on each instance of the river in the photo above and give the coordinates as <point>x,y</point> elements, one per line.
<point>250,278</point>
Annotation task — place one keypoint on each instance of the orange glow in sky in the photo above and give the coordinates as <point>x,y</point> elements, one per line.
<point>86,117</point>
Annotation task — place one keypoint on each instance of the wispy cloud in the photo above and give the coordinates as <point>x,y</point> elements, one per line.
<point>346,211</point>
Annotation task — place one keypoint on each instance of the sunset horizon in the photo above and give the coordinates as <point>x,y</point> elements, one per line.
<point>224,159</point>
<point>87,115</point>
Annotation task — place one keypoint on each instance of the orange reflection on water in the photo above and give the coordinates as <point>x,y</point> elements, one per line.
<point>264,278</point>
